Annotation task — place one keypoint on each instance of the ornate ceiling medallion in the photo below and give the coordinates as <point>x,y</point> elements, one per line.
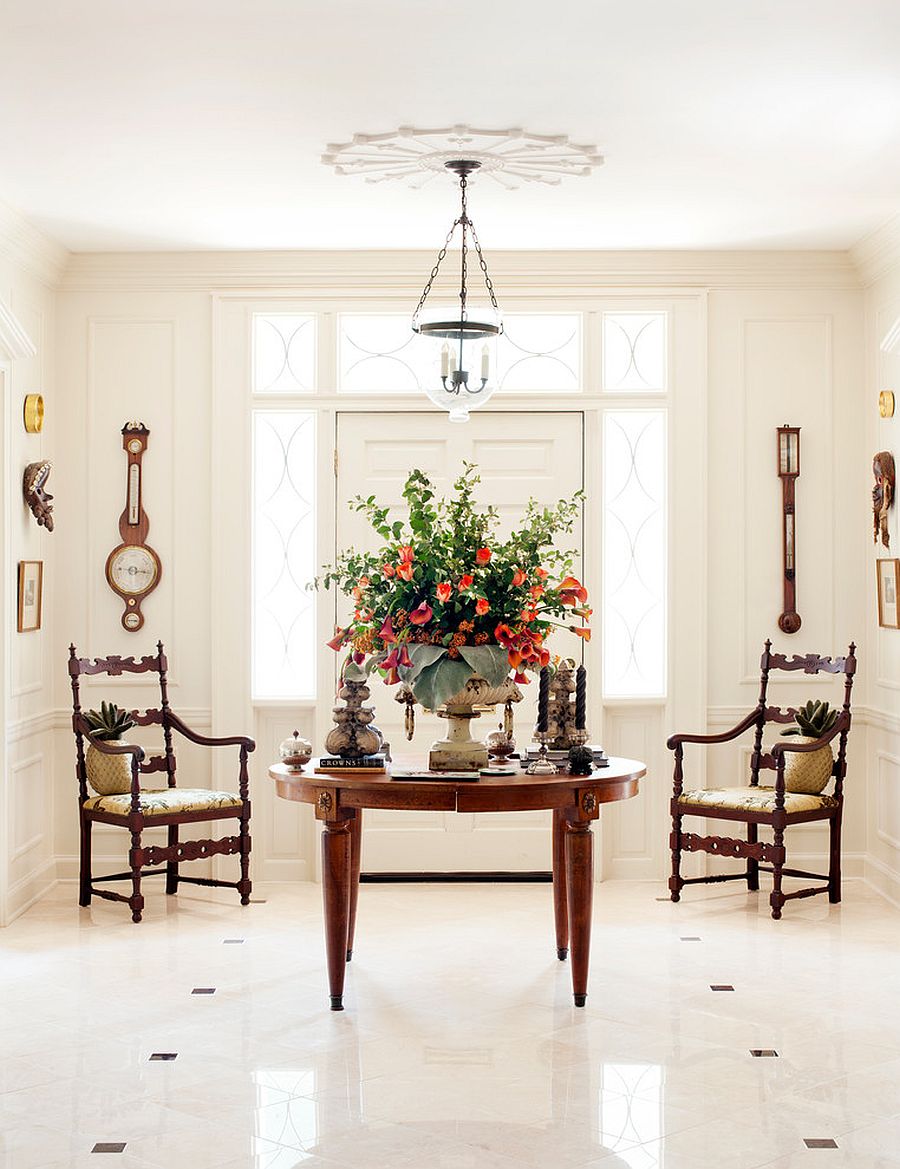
<point>414,156</point>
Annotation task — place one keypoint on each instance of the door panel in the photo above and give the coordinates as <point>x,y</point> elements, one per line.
<point>519,455</point>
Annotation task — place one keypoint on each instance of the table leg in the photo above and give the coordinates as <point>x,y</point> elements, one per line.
<point>336,897</point>
<point>355,854</point>
<point>580,889</point>
<point>560,902</point>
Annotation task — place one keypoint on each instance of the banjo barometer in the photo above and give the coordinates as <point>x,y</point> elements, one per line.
<point>133,568</point>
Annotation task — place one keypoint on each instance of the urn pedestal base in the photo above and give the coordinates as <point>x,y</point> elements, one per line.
<point>458,751</point>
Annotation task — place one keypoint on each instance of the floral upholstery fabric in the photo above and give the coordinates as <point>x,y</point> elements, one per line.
<point>755,799</point>
<point>160,801</point>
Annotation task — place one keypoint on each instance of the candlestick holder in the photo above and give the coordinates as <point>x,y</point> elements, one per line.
<point>542,765</point>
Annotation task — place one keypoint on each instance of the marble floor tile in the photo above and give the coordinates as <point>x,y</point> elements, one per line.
<point>457,1050</point>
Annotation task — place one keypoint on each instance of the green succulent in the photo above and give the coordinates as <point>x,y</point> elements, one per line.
<point>815,719</point>
<point>110,722</point>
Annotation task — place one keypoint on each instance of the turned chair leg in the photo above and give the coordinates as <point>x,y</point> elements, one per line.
<point>675,882</point>
<point>752,863</point>
<point>84,881</point>
<point>834,867</point>
<point>245,886</point>
<point>172,866</point>
<point>776,900</point>
<point>136,900</point>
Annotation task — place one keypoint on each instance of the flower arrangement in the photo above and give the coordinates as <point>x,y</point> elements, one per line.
<point>445,599</point>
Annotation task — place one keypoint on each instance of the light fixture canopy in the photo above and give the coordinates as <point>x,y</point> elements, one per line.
<point>468,343</point>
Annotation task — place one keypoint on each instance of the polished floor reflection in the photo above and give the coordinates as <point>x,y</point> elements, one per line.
<point>460,1047</point>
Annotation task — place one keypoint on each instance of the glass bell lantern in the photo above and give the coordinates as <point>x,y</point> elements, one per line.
<point>465,348</point>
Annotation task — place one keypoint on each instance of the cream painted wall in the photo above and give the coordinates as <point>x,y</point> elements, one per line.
<point>777,357</point>
<point>29,268</point>
<point>883,645</point>
<point>784,342</point>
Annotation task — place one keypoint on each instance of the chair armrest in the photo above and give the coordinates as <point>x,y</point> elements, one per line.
<point>725,737</point>
<point>206,740</point>
<point>106,747</point>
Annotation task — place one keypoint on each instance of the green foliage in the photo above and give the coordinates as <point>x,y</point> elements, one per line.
<point>814,720</point>
<point>110,722</point>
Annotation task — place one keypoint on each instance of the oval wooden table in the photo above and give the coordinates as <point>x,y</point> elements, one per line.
<point>575,801</point>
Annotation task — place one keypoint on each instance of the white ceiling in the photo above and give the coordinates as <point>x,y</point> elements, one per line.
<point>170,124</point>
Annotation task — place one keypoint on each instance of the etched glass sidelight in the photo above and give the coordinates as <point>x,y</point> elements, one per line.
<point>634,553</point>
<point>540,351</point>
<point>284,554</point>
<point>284,353</point>
<point>634,352</point>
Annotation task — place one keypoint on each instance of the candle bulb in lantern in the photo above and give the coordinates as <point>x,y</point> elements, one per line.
<point>543,700</point>
<point>445,359</point>
<point>485,362</point>
<point>580,699</point>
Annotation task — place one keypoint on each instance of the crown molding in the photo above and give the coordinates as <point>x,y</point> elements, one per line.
<point>29,249</point>
<point>877,253</point>
<point>14,341</point>
<point>364,273</point>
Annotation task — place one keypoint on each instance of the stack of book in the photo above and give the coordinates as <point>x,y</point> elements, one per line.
<point>562,755</point>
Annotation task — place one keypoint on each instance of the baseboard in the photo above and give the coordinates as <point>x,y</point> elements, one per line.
<point>883,879</point>
<point>30,889</point>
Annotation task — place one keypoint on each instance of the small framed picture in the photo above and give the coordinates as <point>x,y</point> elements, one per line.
<point>888,593</point>
<point>31,580</point>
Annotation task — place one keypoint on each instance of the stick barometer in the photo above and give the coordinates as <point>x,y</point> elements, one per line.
<point>788,472</point>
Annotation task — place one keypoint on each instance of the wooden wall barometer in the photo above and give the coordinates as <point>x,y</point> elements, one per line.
<point>788,471</point>
<point>133,568</point>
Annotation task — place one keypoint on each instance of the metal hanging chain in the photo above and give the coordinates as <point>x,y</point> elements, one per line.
<point>465,222</point>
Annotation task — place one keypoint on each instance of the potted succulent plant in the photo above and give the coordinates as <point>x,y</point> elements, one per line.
<point>108,775</point>
<point>810,773</point>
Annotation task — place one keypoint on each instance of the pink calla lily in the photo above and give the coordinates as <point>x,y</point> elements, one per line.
<point>386,633</point>
<point>422,614</point>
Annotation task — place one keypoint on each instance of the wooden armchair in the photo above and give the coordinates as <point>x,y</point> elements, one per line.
<point>169,807</point>
<point>774,807</point>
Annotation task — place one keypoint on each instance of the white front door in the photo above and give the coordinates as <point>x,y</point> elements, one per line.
<point>518,455</point>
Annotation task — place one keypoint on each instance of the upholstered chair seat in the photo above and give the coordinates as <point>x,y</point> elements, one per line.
<point>161,801</point>
<point>741,799</point>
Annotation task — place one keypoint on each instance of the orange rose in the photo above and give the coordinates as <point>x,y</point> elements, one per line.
<point>405,570</point>
<point>443,591</point>
<point>388,570</point>
<point>519,578</point>
<point>406,554</point>
<point>481,606</point>
<point>483,556</point>
<point>465,582</point>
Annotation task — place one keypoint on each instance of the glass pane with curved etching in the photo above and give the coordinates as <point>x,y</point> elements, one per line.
<point>539,351</point>
<point>634,351</point>
<point>284,353</point>
<point>634,553</point>
<point>379,353</point>
<point>284,554</point>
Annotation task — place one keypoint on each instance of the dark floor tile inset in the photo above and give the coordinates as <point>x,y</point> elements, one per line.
<point>763,1052</point>
<point>257,901</point>
<point>721,986</point>
<point>204,990</point>
<point>820,1143</point>
<point>232,941</point>
<point>164,1055</point>
<point>692,938</point>
<point>109,1147</point>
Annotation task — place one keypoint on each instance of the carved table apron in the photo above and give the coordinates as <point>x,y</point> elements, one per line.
<point>574,800</point>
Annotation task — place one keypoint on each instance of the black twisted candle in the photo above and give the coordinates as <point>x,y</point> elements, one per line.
<point>543,700</point>
<point>580,699</point>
